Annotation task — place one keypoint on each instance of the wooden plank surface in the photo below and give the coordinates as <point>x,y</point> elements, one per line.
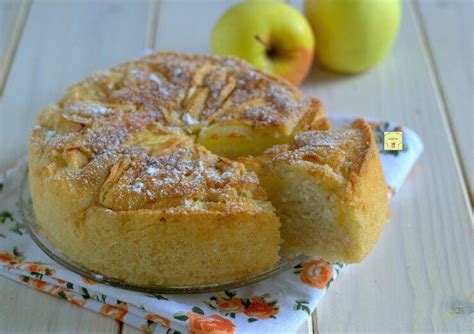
<point>25,310</point>
<point>186,25</point>
<point>449,30</point>
<point>421,270</point>
<point>8,13</point>
<point>61,43</point>
<point>13,14</point>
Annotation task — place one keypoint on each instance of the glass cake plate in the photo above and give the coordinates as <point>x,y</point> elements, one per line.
<point>29,222</point>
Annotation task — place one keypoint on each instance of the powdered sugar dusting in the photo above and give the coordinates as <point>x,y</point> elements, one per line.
<point>324,138</point>
<point>50,133</point>
<point>189,120</point>
<point>138,187</point>
<point>90,109</point>
<point>90,132</point>
<point>337,152</point>
<point>152,170</point>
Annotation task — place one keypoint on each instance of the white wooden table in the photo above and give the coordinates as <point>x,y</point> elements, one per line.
<point>420,275</point>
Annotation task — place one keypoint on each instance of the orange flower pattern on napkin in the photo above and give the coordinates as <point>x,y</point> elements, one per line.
<point>118,313</point>
<point>255,307</point>
<point>213,324</point>
<point>316,273</point>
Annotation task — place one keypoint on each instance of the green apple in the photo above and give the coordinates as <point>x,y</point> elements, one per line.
<point>353,35</point>
<point>271,35</point>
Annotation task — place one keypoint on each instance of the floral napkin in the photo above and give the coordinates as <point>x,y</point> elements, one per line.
<point>278,304</point>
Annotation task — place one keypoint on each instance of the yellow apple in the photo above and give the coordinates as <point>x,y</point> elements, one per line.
<point>271,35</point>
<point>353,35</point>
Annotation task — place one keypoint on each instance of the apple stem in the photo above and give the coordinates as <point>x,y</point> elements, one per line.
<point>267,46</point>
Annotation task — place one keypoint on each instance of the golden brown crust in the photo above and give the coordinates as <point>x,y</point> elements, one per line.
<point>186,90</point>
<point>367,195</point>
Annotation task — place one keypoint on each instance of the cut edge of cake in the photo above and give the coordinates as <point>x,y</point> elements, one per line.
<point>329,192</point>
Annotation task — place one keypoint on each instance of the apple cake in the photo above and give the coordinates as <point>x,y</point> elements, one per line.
<point>328,190</point>
<point>133,172</point>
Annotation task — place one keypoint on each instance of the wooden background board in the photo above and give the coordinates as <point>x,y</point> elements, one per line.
<point>12,17</point>
<point>419,277</point>
<point>8,13</point>
<point>448,27</point>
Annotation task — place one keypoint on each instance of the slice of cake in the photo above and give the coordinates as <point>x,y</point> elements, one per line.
<point>329,192</point>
